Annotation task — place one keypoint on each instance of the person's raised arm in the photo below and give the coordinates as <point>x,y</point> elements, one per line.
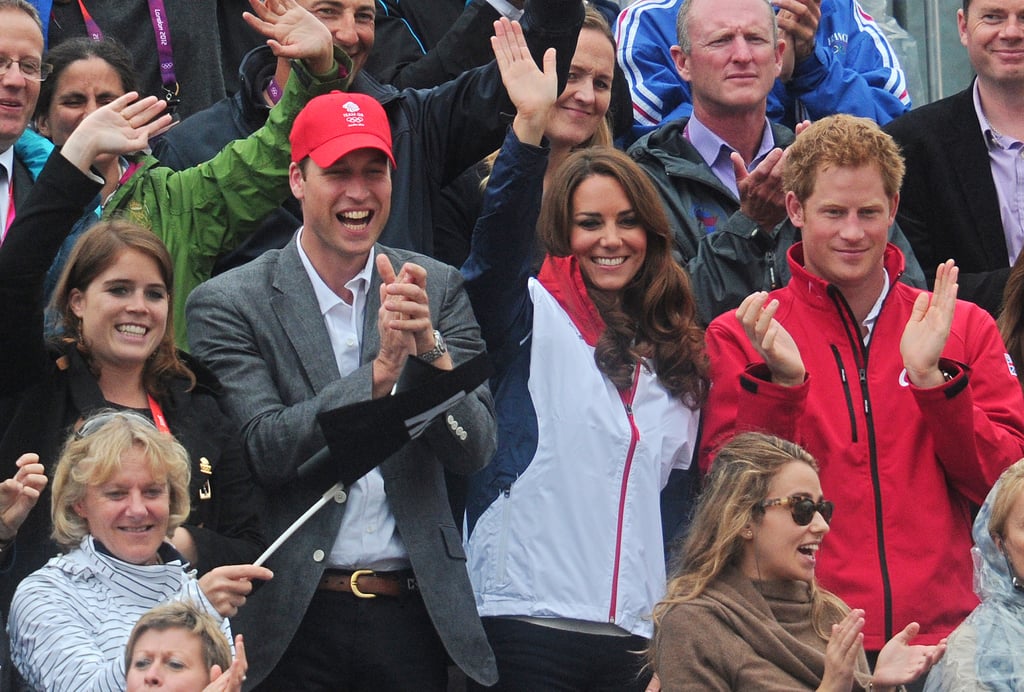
<point>497,268</point>
<point>123,126</point>
<point>533,92</point>
<point>293,33</point>
<point>927,330</point>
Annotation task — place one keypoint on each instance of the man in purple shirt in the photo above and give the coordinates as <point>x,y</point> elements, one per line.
<point>963,195</point>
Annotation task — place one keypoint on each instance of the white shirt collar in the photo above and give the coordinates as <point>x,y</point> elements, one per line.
<point>325,297</point>
<point>7,161</point>
<point>872,317</point>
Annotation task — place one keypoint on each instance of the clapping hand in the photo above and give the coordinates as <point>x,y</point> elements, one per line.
<point>899,662</point>
<point>927,330</point>
<point>19,495</point>
<point>771,340</point>
<point>231,679</point>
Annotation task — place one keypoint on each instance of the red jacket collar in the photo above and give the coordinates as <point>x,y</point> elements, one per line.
<point>815,288</point>
<point>562,278</point>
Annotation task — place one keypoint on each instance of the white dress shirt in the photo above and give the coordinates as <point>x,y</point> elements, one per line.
<point>368,537</point>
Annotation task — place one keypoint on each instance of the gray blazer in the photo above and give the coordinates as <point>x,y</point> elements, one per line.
<point>260,329</point>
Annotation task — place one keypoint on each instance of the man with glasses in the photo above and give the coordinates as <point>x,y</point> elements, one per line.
<point>21,70</point>
<point>905,397</point>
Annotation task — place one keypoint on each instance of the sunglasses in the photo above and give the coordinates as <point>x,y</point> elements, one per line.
<point>803,508</point>
<point>95,422</point>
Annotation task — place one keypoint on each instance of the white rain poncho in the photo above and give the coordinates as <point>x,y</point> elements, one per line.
<point>986,652</point>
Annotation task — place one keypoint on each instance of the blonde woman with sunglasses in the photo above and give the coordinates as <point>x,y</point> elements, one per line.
<point>745,612</point>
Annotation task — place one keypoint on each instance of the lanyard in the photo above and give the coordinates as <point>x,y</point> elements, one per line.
<point>158,415</point>
<point>274,90</point>
<point>10,209</point>
<point>162,33</point>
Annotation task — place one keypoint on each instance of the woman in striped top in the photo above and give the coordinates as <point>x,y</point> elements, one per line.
<point>119,491</point>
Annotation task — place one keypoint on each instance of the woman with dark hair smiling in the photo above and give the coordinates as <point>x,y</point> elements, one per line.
<point>600,378</point>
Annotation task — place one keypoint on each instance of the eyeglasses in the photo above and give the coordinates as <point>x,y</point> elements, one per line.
<point>97,421</point>
<point>803,508</point>
<point>30,69</point>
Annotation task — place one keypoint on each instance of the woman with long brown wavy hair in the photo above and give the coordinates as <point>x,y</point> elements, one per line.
<point>600,377</point>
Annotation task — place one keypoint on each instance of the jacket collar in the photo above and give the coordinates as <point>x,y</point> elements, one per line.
<point>296,308</point>
<point>817,291</point>
<point>563,279</point>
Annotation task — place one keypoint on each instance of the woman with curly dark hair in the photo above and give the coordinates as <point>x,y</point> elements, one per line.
<point>600,377</point>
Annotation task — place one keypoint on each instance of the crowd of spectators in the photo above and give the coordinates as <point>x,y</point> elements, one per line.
<point>507,344</point>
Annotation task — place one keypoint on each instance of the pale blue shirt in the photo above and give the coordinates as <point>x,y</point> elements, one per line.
<point>1006,160</point>
<point>715,151</point>
<point>368,537</point>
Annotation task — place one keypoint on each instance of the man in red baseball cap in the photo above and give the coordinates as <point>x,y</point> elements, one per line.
<point>372,592</point>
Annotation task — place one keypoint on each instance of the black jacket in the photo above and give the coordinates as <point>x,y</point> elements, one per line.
<point>46,389</point>
<point>436,133</point>
<point>948,204</point>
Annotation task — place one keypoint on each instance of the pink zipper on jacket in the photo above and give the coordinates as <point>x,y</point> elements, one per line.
<point>634,438</point>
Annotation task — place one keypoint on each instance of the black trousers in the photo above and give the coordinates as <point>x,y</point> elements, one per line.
<point>534,658</point>
<point>350,644</point>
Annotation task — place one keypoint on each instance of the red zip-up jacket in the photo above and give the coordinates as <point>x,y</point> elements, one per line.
<point>902,464</point>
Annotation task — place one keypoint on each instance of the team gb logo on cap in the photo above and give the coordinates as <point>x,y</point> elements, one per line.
<point>353,116</point>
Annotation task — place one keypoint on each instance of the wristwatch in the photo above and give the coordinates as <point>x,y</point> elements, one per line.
<point>440,348</point>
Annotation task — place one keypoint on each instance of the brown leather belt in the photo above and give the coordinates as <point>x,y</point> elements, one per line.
<point>365,583</point>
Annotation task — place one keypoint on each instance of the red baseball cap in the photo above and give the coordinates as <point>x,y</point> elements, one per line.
<point>335,124</point>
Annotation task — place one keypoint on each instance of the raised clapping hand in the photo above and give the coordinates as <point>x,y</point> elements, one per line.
<point>227,587</point>
<point>19,495</point>
<point>532,91</point>
<point>231,679</point>
<point>293,33</point>
<point>899,662</point>
<point>800,19</point>
<point>403,322</point>
<point>123,126</point>
<point>842,652</point>
<point>771,340</point>
<point>927,330</point>
<point>761,195</point>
